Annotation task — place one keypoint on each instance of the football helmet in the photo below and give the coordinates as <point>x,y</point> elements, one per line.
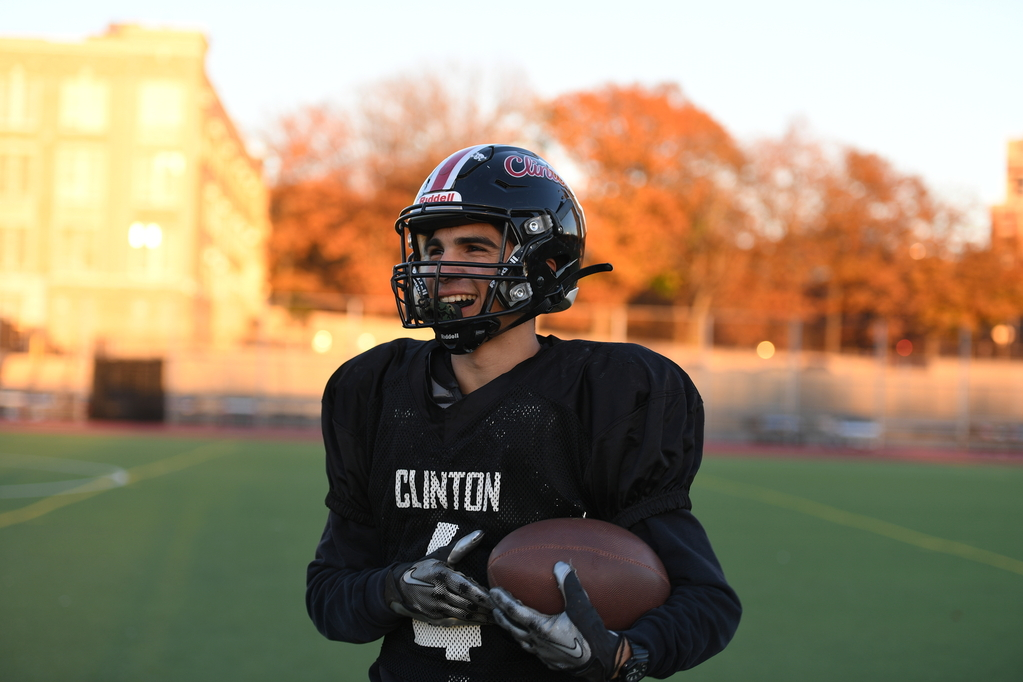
<point>540,222</point>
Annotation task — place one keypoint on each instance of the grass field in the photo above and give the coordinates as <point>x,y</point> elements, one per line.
<point>849,569</point>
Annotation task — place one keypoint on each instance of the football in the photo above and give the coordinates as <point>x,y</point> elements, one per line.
<point>622,575</point>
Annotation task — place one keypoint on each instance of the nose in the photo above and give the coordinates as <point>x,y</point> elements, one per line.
<point>449,272</point>
<point>441,273</point>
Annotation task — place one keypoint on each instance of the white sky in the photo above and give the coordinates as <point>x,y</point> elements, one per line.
<point>936,86</point>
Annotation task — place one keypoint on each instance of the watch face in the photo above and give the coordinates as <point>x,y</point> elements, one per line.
<point>636,673</point>
<point>636,667</point>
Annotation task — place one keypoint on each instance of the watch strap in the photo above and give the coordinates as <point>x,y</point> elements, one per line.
<point>635,668</point>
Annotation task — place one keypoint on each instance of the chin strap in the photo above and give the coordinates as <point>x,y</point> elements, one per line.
<point>566,286</point>
<point>569,281</point>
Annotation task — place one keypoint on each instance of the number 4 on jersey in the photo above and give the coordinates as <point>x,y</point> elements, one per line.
<point>456,641</point>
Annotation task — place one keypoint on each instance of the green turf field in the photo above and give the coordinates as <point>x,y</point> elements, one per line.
<point>848,569</point>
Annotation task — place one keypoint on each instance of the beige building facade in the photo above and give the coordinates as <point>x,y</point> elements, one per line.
<point>133,222</point>
<point>1007,219</point>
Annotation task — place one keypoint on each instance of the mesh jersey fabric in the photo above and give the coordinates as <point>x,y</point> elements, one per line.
<point>582,427</point>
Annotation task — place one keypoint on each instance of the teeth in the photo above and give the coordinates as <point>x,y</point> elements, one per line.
<point>457,298</point>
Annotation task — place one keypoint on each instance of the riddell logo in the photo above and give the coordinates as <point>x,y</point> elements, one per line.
<point>440,196</point>
<point>519,166</point>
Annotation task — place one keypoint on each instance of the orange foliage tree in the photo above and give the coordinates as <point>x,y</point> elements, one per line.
<point>973,288</point>
<point>788,228</point>
<point>660,196</point>
<point>343,176</point>
<point>843,234</point>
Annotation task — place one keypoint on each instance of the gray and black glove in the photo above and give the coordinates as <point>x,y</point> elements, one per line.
<point>430,590</point>
<point>574,641</point>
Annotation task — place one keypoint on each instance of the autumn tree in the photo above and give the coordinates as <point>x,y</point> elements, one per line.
<point>970,288</point>
<point>842,234</point>
<point>659,192</point>
<point>790,227</point>
<point>343,174</point>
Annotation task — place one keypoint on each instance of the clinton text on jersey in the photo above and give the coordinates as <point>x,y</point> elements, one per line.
<point>468,490</point>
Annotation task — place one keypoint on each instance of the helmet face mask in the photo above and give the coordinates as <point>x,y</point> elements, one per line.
<point>540,224</point>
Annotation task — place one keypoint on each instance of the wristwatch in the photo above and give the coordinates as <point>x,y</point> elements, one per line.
<point>635,668</point>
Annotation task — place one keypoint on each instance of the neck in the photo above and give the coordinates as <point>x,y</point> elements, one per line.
<point>495,357</point>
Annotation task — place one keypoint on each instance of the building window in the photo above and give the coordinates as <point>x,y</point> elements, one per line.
<point>13,248</point>
<point>19,100</point>
<point>80,176</point>
<point>84,104</point>
<point>75,250</point>
<point>158,180</point>
<point>147,253</point>
<point>161,110</point>
<point>15,175</point>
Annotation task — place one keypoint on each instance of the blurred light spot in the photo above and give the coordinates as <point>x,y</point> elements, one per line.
<point>745,241</point>
<point>765,349</point>
<point>1003,334</point>
<point>637,177</point>
<point>904,347</point>
<point>141,235</point>
<point>917,251</point>
<point>137,235</point>
<point>366,341</point>
<point>322,341</point>
<point>154,236</point>
<point>783,178</point>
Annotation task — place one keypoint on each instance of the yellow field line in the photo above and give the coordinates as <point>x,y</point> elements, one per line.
<point>177,462</point>
<point>867,523</point>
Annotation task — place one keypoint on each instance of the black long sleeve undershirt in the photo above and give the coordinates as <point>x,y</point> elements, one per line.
<point>345,584</point>
<point>702,613</point>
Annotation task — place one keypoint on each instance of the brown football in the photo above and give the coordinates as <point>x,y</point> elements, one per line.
<point>622,575</point>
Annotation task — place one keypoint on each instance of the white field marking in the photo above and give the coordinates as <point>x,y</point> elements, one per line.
<point>177,462</point>
<point>867,523</point>
<point>100,476</point>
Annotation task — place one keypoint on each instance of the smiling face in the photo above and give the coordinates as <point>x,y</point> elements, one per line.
<point>468,244</point>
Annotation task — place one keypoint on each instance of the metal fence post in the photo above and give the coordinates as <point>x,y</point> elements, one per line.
<point>965,353</point>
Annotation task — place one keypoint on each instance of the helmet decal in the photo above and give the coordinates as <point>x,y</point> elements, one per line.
<point>443,195</point>
<point>445,174</point>
<point>519,166</point>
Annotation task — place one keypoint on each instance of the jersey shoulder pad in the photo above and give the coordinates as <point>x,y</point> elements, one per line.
<point>372,366</point>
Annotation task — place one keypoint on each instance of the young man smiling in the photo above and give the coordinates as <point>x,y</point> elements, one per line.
<point>436,450</point>
<point>467,288</point>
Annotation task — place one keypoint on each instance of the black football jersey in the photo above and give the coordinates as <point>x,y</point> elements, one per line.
<point>610,431</point>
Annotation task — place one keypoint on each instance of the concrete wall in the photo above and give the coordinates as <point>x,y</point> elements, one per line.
<point>806,397</point>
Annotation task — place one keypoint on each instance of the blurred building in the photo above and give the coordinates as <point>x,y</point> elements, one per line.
<point>133,221</point>
<point>1007,219</point>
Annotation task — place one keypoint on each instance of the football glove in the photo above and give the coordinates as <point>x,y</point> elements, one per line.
<point>574,641</point>
<point>430,590</point>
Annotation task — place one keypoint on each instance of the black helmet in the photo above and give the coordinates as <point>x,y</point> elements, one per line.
<point>518,193</point>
